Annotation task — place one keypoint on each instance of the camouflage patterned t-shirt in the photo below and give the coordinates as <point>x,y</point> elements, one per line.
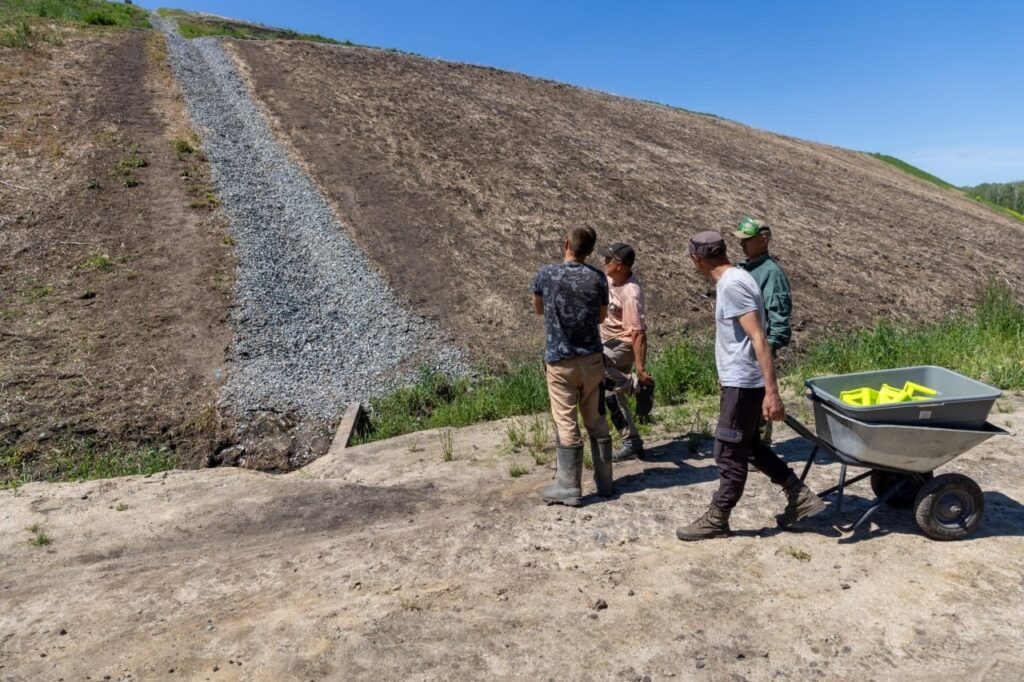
<point>573,294</point>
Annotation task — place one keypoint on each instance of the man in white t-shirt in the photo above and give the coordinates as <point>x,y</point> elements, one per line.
<point>746,372</point>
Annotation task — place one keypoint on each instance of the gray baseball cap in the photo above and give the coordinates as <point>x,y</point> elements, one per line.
<point>707,244</point>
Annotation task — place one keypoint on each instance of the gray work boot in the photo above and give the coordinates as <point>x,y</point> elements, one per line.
<point>802,502</point>
<point>631,447</point>
<point>567,489</point>
<point>712,524</point>
<point>601,454</point>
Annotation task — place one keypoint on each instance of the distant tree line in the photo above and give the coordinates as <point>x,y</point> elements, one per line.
<point>1006,194</point>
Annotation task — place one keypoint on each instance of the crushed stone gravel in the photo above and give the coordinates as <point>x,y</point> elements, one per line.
<point>315,325</point>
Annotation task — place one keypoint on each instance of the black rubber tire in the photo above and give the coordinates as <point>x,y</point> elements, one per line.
<point>881,481</point>
<point>949,507</point>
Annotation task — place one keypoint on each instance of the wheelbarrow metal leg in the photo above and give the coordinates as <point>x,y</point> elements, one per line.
<point>858,477</point>
<point>893,489</point>
<point>842,488</point>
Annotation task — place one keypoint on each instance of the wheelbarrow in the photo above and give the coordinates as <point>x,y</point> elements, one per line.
<point>901,459</point>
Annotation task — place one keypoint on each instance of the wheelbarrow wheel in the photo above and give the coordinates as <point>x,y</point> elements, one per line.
<point>882,481</point>
<point>949,507</point>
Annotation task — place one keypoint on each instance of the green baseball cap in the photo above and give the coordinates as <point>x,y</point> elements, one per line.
<point>750,227</point>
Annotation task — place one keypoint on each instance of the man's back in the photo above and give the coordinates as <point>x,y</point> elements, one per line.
<point>775,292</point>
<point>573,294</point>
<point>736,294</point>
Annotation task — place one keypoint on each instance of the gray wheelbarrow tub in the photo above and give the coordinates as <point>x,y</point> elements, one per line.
<point>900,447</point>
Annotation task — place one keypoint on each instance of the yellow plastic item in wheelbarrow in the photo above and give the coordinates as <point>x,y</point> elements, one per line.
<point>862,397</point>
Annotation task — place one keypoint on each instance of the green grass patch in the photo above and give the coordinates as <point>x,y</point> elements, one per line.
<point>987,344</point>
<point>200,27</point>
<point>76,459</point>
<point>39,536</point>
<point>35,292</point>
<point>436,400</point>
<point>100,262</point>
<point>182,147</point>
<point>912,170</point>
<point>515,471</point>
<point>90,12</point>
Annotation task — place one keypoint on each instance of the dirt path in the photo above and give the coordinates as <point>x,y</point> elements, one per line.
<point>114,287</point>
<point>388,562</point>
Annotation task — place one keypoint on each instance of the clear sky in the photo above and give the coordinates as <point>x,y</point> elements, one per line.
<point>936,83</point>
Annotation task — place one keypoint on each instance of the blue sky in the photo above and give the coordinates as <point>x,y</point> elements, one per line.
<point>935,83</point>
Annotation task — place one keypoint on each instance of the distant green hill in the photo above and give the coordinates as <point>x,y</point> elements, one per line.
<point>912,170</point>
<point>1007,198</point>
<point>1009,195</point>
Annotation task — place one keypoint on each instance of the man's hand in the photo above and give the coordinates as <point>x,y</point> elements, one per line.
<point>772,408</point>
<point>644,377</point>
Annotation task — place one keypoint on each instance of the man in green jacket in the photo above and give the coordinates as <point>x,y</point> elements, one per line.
<point>771,280</point>
<point>754,239</point>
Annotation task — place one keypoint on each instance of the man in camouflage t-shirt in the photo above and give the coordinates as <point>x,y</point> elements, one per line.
<point>573,298</point>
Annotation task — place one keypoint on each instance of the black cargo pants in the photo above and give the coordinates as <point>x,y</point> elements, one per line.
<point>737,440</point>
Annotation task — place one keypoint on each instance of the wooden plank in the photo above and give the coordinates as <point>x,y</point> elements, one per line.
<point>349,421</point>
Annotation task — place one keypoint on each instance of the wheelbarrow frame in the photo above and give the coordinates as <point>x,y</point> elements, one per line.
<point>846,461</point>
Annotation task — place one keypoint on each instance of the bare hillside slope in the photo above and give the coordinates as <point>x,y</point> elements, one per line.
<point>458,180</point>
<point>115,269</point>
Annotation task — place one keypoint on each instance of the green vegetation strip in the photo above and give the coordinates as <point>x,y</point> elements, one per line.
<point>191,26</point>
<point>987,345</point>
<point>1007,198</point>
<point>913,170</point>
<point>95,12</point>
<point>77,459</point>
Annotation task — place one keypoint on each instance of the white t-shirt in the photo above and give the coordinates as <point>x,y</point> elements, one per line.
<point>736,294</point>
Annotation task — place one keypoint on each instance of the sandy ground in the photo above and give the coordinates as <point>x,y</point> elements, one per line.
<point>384,561</point>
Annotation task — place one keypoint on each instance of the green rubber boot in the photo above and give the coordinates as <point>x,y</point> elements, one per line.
<point>567,489</point>
<point>601,453</point>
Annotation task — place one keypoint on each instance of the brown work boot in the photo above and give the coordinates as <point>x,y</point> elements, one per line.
<point>802,502</point>
<point>712,524</point>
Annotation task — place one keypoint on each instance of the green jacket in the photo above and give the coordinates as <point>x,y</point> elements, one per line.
<point>775,291</point>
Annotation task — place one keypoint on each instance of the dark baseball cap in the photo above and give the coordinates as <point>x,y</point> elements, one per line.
<point>621,252</point>
<point>707,244</point>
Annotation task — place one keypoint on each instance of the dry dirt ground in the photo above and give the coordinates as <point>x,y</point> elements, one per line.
<point>459,180</point>
<point>385,561</point>
<point>115,268</point>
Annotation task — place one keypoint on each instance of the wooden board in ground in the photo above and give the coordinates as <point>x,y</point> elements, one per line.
<point>459,180</point>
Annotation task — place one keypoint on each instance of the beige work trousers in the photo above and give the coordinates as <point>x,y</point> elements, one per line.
<point>575,384</point>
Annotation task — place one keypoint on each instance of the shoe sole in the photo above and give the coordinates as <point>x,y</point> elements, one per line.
<point>694,538</point>
<point>570,502</point>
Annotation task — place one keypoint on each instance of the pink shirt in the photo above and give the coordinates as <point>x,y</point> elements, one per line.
<point>626,313</point>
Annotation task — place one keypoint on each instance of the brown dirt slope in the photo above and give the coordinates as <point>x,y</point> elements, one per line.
<point>387,562</point>
<point>458,180</point>
<point>115,270</point>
